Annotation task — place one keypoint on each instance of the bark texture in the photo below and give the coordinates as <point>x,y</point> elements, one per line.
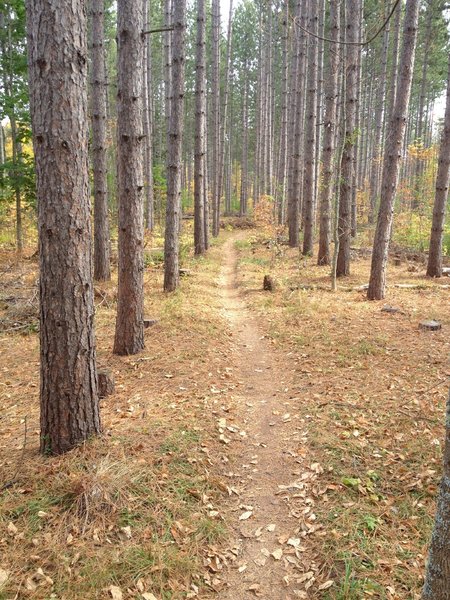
<point>200,118</point>
<point>174,163</point>
<point>57,48</point>
<point>331,93</point>
<point>392,155</point>
<point>379,111</point>
<point>347,163</point>
<point>215,133</point>
<point>102,270</point>
<point>295,163</point>
<point>148,125</point>
<point>129,336</point>
<point>309,200</point>
<point>437,580</point>
<point>434,267</point>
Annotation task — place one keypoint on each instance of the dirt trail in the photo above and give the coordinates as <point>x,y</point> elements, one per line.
<point>268,457</point>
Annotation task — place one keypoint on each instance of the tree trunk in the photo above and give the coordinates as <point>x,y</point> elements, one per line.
<point>200,118</point>
<point>394,62</point>
<point>297,91</point>
<point>175,144</point>
<point>392,155</point>
<point>129,336</point>
<point>309,201</point>
<point>380,103</point>
<point>168,61</point>
<point>148,125</point>
<point>244,166</point>
<point>57,49</point>
<point>328,152</point>
<point>421,114</point>
<point>215,91</point>
<point>354,200</point>
<point>434,268</point>
<point>346,174</point>
<point>224,115</point>
<point>282,168</point>
<point>437,580</point>
<point>102,271</point>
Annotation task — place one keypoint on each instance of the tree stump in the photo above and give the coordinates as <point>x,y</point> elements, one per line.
<point>105,383</point>
<point>268,284</point>
<point>430,325</point>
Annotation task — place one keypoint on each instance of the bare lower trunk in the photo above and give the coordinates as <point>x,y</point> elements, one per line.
<point>297,94</point>
<point>175,144</point>
<point>437,580</point>
<point>102,271</point>
<point>346,174</point>
<point>200,117</point>
<point>57,49</point>
<point>331,92</point>
<point>148,126</point>
<point>309,202</point>
<point>392,155</point>
<point>434,268</point>
<point>282,168</point>
<point>215,91</point>
<point>129,336</point>
<point>224,115</point>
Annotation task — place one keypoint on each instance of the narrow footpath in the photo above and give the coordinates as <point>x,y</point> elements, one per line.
<point>273,512</point>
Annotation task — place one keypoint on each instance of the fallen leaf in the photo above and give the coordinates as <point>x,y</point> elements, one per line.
<point>277,554</point>
<point>12,529</point>
<point>271,527</point>
<point>3,577</point>
<point>149,596</point>
<point>295,542</point>
<point>116,593</point>
<point>246,515</point>
<point>326,585</point>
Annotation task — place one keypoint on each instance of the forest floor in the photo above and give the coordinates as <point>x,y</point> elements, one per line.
<point>277,445</point>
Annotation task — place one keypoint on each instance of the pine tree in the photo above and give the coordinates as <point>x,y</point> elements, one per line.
<point>129,335</point>
<point>434,267</point>
<point>58,83</point>
<point>392,155</point>
<point>174,162</point>
<point>102,271</point>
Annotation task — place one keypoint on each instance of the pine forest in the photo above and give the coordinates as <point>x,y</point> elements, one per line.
<point>225,262</point>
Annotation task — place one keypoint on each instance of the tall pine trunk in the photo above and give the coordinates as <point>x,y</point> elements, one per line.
<point>200,119</point>
<point>347,163</point>
<point>328,152</point>
<point>57,50</point>
<point>102,271</point>
<point>215,133</point>
<point>380,104</point>
<point>309,188</point>
<point>282,168</point>
<point>434,268</point>
<point>148,126</point>
<point>175,145</point>
<point>295,163</point>
<point>129,335</point>
<point>392,155</point>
